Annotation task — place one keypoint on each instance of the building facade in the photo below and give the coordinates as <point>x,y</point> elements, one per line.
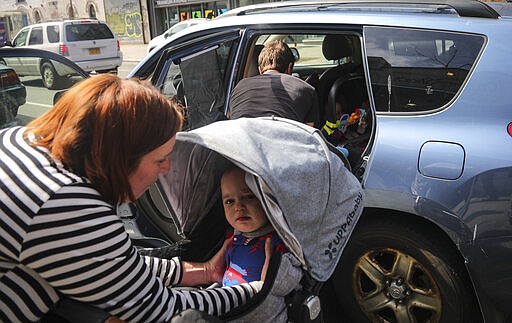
<point>131,20</point>
<point>14,14</point>
<point>127,18</point>
<point>165,13</point>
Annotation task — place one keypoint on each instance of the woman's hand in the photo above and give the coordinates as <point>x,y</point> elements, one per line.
<point>216,266</point>
<point>196,273</point>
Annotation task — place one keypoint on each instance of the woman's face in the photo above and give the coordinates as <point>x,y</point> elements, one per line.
<point>242,208</point>
<point>153,163</point>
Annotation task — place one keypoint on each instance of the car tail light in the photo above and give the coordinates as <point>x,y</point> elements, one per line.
<point>9,78</point>
<point>63,50</point>
<point>118,45</point>
<point>509,129</point>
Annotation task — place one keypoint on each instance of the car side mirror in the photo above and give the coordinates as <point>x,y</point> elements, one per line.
<point>7,43</point>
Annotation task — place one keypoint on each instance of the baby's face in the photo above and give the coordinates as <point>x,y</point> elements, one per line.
<point>242,208</point>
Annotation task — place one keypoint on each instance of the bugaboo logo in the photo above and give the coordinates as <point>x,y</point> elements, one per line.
<point>341,234</point>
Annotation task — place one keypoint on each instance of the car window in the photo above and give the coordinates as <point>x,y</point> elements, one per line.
<point>177,28</point>
<point>53,34</point>
<point>198,82</point>
<point>21,39</point>
<point>36,36</point>
<point>416,70</point>
<point>309,47</point>
<point>80,32</point>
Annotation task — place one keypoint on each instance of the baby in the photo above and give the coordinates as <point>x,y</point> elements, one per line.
<point>245,254</point>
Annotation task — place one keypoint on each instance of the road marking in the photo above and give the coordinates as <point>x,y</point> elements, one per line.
<point>39,104</point>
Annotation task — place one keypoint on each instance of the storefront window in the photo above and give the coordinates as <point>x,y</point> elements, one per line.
<point>196,11</point>
<point>172,17</point>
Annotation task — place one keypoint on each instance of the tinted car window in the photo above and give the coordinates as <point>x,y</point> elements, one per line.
<point>197,82</point>
<point>36,36</point>
<point>415,70</point>
<point>21,38</point>
<point>53,34</point>
<point>81,32</point>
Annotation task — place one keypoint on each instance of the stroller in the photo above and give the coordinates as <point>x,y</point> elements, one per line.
<point>309,195</point>
<point>305,187</point>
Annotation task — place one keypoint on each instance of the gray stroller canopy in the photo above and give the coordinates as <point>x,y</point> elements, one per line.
<point>310,197</point>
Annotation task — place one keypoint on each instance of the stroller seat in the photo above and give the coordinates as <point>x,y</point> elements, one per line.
<point>311,199</point>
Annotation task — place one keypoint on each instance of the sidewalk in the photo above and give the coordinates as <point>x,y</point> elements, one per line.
<point>133,52</point>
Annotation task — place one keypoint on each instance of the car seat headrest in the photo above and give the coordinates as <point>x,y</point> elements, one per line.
<point>335,47</point>
<point>257,51</point>
<point>253,61</point>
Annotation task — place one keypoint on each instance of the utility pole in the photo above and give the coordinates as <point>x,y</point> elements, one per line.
<point>71,11</point>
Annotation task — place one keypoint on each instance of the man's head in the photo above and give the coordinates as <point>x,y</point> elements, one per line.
<point>242,208</point>
<point>276,55</point>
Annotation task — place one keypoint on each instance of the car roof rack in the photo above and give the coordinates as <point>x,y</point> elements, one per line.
<point>464,8</point>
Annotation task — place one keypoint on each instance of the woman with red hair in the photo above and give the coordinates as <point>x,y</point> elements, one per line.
<point>103,143</point>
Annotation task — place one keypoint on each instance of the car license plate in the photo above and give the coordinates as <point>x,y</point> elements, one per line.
<point>94,51</point>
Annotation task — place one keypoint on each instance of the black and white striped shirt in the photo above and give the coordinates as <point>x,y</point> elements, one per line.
<point>57,236</point>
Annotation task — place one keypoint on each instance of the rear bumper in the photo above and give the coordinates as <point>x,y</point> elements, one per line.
<point>101,64</point>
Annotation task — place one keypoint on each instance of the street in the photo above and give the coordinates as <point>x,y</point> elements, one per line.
<point>40,99</point>
<point>126,68</point>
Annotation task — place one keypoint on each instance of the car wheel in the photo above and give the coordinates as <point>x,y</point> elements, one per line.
<point>49,76</point>
<point>394,272</point>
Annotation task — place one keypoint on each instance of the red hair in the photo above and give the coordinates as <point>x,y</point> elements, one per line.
<point>103,126</point>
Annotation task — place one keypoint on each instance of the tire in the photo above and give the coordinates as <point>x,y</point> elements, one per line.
<point>395,272</point>
<point>51,80</point>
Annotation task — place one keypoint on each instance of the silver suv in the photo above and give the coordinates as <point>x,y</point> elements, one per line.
<point>434,152</point>
<point>91,44</point>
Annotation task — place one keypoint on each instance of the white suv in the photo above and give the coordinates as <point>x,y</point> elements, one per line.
<point>89,43</point>
<point>153,43</point>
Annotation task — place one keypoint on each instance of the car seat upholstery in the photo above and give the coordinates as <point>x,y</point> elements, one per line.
<point>334,47</point>
<point>252,64</point>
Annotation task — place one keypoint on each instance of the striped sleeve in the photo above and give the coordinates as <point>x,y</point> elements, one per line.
<point>79,246</point>
<point>57,235</point>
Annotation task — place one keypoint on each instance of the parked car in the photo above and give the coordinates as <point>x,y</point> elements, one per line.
<point>434,155</point>
<point>173,30</point>
<point>12,95</point>
<point>89,43</point>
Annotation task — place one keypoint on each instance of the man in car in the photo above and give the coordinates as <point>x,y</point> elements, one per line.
<point>275,92</point>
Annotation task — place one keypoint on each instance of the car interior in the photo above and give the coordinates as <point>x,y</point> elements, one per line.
<point>329,62</point>
<point>332,63</point>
